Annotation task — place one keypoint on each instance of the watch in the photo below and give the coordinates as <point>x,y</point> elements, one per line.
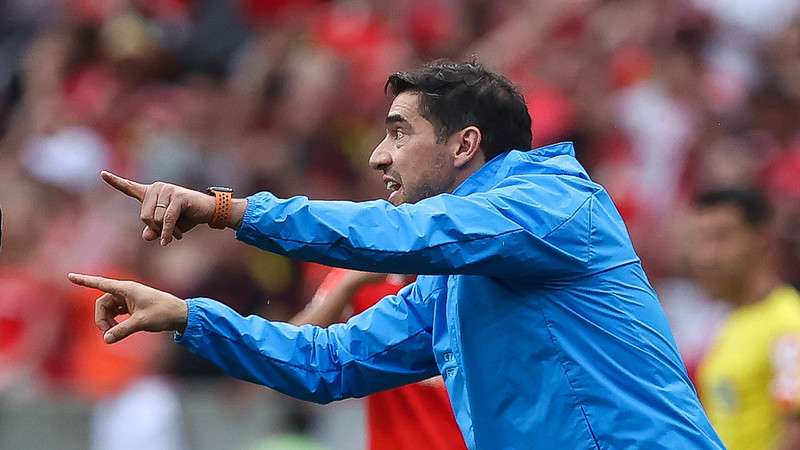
<point>223,197</point>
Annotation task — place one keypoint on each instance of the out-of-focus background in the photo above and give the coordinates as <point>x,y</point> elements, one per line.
<point>662,99</point>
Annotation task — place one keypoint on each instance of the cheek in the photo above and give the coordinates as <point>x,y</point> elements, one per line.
<point>409,162</point>
<point>436,175</point>
<point>732,260</point>
<point>738,246</point>
<point>422,163</point>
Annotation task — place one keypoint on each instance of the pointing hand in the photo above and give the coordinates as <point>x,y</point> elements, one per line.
<point>149,309</point>
<point>167,210</point>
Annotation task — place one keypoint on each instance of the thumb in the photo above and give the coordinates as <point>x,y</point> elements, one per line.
<point>122,330</point>
<point>148,234</point>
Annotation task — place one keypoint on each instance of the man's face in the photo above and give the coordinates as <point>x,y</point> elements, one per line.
<point>723,248</point>
<point>414,164</point>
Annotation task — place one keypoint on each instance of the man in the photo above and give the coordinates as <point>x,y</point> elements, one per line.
<point>750,378</point>
<point>532,303</point>
<point>406,418</point>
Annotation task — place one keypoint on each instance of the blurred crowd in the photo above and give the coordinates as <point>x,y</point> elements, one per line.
<point>663,99</point>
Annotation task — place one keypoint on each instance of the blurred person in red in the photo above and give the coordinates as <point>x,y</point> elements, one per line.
<point>410,417</point>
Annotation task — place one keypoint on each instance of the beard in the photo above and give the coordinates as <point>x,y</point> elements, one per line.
<point>422,191</point>
<point>434,180</point>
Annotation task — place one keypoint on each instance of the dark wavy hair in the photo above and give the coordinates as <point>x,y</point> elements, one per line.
<point>457,95</point>
<point>751,203</point>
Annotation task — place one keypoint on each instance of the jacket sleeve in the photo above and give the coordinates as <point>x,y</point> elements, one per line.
<point>508,232</point>
<point>386,346</point>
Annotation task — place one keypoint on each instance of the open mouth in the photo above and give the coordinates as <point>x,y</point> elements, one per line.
<point>394,189</point>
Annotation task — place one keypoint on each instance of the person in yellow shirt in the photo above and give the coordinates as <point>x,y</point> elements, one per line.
<point>749,381</point>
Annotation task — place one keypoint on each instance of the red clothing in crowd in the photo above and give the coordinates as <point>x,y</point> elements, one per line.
<point>412,417</point>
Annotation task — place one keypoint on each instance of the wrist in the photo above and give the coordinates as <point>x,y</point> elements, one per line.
<point>223,204</point>
<point>356,280</point>
<point>181,316</point>
<point>238,207</point>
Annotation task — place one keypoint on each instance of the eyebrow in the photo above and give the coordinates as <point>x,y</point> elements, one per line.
<point>392,119</point>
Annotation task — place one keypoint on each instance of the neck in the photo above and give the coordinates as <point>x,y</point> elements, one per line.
<point>755,288</point>
<point>467,170</point>
<point>460,179</point>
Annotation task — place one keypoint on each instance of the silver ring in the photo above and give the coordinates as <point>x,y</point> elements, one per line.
<point>160,205</point>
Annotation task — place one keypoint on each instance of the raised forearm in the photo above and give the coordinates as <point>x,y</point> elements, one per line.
<point>329,307</point>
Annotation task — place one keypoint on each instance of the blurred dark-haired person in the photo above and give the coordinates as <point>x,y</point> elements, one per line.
<point>749,380</point>
<point>410,417</point>
<point>531,301</point>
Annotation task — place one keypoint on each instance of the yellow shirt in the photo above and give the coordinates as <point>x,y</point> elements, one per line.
<point>751,375</point>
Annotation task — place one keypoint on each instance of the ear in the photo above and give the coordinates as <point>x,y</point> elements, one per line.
<point>469,146</point>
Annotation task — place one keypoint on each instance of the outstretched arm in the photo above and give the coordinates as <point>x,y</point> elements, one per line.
<point>517,230</point>
<point>505,233</point>
<point>386,346</point>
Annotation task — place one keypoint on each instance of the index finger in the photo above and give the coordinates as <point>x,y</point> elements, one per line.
<point>103,284</point>
<point>124,185</point>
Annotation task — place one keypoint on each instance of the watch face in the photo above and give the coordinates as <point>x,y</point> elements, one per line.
<point>219,189</point>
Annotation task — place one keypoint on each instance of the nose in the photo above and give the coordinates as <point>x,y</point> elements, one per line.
<point>380,158</point>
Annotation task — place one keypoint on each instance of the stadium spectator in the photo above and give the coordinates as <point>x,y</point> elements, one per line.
<point>750,379</point>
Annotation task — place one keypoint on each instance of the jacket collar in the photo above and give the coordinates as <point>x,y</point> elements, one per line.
<point>498,167</point>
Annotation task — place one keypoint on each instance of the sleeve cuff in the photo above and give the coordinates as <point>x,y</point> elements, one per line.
<point>245,231</point>
<point>194,326</point>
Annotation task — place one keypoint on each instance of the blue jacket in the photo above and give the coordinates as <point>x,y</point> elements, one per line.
<point>533,306</point>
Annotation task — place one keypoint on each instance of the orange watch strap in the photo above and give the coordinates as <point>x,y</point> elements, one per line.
<point>222,210</point>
